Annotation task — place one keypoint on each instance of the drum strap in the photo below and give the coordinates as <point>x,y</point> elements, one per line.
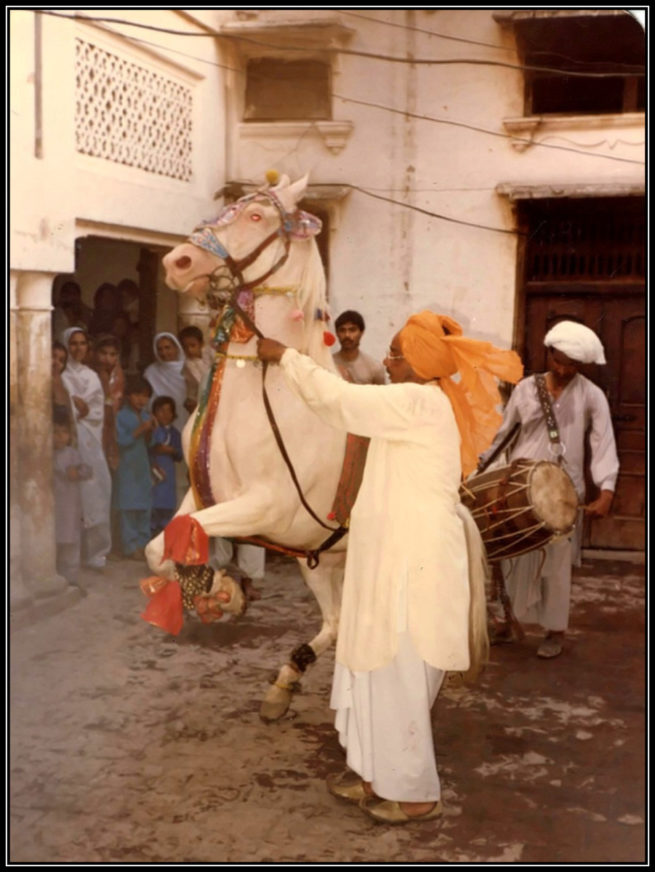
<point>551,421</point>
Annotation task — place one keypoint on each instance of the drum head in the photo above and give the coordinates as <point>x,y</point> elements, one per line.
<point>553,497</point>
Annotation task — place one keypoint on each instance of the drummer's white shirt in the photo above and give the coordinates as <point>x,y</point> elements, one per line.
<point>581,407</point>
<point>540,585</point>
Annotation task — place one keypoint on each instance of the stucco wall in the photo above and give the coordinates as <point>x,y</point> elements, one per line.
<point>386,260</point>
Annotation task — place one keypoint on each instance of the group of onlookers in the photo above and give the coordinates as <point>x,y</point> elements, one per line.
<point>118,463</point>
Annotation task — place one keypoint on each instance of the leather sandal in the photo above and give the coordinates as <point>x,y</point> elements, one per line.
<point>388,811</point>
<point>550,647</point>
<point>347,785</point>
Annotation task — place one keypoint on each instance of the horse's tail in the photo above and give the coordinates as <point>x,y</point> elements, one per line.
<point>478,574</point>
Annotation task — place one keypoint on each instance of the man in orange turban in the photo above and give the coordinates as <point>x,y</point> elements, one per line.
<point>413,603</point>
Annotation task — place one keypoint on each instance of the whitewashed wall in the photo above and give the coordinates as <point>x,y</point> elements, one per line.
<point>388,261</point>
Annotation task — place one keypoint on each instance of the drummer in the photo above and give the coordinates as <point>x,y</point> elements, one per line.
<point>407,591</point>
<point>540,588</point>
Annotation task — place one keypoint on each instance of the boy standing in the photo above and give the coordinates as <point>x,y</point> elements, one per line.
<point>134,426</point>
<point>198,362</point>
<point>165,452</point>
<point>69,471</point>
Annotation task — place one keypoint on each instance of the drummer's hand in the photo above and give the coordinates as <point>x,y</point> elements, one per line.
<point>600,507</point>
<point>270,351</point>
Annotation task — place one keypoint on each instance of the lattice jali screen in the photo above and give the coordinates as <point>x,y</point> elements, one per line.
<point>131,115</point>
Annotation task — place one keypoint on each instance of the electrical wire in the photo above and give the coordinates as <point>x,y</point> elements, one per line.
<point>423,30</point>
<point>406,113</point>
<point>484,130</point>
<point>639,71</point>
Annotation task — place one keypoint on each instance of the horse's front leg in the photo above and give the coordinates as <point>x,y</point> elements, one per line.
<point>243,516</point>
<point>325,582</point>
<point>155,548</point>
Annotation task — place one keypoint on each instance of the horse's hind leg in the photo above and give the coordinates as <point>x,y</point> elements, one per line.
<point>325,582</point>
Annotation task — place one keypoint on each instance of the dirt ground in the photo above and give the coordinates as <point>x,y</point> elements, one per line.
<point>127,745</point>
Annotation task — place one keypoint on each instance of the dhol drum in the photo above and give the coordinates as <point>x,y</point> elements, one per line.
<point>521,507</point>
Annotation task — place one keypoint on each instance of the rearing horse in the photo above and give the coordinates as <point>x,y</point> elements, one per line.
<point>259,269</point>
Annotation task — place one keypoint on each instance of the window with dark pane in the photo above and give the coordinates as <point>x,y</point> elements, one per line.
<point>613,45</point>
<point>281,90</point>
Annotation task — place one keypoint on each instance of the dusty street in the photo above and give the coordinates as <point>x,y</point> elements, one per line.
<point>131,746</point>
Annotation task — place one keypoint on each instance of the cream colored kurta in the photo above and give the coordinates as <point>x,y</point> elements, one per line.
<point>407,565</point>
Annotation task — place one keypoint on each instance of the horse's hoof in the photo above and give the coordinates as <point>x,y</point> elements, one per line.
<point>273,711</point>
<point>276,702</point>
<point>237,603</point>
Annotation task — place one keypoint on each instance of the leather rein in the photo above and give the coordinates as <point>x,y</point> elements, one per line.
<point>224,290</point>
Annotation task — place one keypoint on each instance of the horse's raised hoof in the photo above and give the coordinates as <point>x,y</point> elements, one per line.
<point>223,583</point>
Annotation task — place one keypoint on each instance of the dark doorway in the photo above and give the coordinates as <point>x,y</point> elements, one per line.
<point>584,261</point>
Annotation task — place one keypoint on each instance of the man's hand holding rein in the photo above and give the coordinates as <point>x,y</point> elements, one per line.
<point>270,351</point>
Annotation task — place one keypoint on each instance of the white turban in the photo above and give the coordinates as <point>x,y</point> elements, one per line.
<point>576,341</point>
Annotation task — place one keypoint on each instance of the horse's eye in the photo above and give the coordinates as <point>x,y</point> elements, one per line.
<point>255,216</point>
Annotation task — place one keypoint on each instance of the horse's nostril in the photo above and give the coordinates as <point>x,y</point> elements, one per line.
<point>183,262</point>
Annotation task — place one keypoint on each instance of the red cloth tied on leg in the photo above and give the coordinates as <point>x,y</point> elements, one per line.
<point>185,542</point>
<point>165,608</point>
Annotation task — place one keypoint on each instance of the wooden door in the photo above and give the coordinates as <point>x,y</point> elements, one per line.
<point>618,317</point>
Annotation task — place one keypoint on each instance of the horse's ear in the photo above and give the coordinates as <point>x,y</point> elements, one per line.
<point>297,189</point>
<point>282,183</point>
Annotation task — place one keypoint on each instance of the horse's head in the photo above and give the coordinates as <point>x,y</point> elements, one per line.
<point>250,241</point>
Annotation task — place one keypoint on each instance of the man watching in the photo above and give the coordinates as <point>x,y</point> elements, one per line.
<point>353,364</point>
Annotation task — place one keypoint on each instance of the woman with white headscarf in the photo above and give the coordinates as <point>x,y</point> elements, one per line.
<point>166,374</point>
<point>88,411</point>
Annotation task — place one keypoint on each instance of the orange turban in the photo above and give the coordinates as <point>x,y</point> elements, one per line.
<point>434,347</point>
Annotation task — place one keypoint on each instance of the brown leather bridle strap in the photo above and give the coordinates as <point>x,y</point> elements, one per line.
<point>337,532</point>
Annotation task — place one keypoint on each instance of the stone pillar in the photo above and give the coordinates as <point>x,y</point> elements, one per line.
<point>33,423</point>
<point>19,596</point>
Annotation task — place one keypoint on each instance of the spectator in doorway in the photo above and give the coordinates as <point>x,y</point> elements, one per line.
<point>134,427</point>
<point>70,311</point>
<point>107,365</point>
<point>69,471</point>
<point>88,405</point>
<point>129,297</point>
<point>353,364</point>
<point>61,401</point>
<point>128,338</point>
<point>165,452</point>
<point>198,362</point>
<point>106,305</point>
<point>166,374</point>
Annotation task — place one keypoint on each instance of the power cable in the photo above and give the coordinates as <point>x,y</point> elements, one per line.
<point>639,71</point>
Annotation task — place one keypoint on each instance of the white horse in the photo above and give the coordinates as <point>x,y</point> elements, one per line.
<point>241,486</point>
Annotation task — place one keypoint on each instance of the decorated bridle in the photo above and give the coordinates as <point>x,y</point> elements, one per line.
<point>226,282</point>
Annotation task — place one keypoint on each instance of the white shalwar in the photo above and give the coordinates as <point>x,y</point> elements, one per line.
<point>540,586</point>
<point>405,605</point>
<point>81,381</point>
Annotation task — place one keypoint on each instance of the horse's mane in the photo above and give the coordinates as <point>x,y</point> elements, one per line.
<point>312,301</point>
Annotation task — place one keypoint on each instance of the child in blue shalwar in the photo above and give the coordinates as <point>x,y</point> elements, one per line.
<point>133,495</point>
<point>165,452</point>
